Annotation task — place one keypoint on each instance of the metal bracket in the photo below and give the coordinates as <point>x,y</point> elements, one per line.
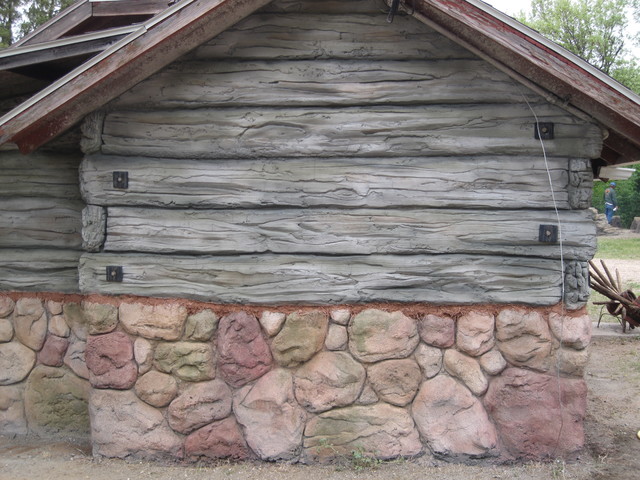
<point>121,180</point>
<point>548,234</point>
<point>544,131</point>
<point>114,273</point>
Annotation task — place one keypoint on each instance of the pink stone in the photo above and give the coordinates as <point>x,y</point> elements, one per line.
<point>199,404</point>
<point>244,354</point>
<point>155,322</point>
<point>30,322</point>
<point>525,406</point>
<point>53,351</point>
<point>453,421</point>
<point>574,332</point>
<point>6,306</point>
<point>110,361</point>
<point>430,360</point>
<point>157,389</point>
<point>437,331</point>
<point>475,333</point>
<point>467,369</point>
<point>395,381</point>
<point>220,439</point>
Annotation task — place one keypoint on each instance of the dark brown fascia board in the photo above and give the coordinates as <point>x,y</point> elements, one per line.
<point>58,49</point>
<point>534,60</point>
<point>83,10</point>
<point>160,41</point>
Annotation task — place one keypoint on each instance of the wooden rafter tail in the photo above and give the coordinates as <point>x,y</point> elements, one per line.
<point>606,269</point>
<point>595,278</point>
<point>600,276</point>
<point>618,280</point>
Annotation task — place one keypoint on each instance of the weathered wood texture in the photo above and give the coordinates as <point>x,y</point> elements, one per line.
<point>37,222</point>
<point>353,232</point>
<point>328,36</point>
<point>330,83</point>
<point>39,270</point>
<point>271,279</point>
<point>465,182</point>
<point>323,6</point>
<point>38,174</point>
<point>362,132</point>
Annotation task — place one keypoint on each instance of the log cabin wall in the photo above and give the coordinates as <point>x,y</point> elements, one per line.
<point>317,154</point>
<point>41,217</point>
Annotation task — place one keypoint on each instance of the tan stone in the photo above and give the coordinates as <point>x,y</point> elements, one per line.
<point>574,332</point>
<point>157,389</point>
<point>54,308</point>
<point>376,335</point>
<point>395,381</point>
<point>198,405</point>
<point>16,361</point>
<point>6,306</point>
<point>189,361</point>
<point>30,323</point>
<point>155,322</point>
<point>74,316</point>
<point>341,316</point>
<point>466,369</point>
<point>329,380</point>
<point>493,362</point>
<point>58,326</point>
<point>368,396</point>
<point>438,331</point>
<point>475,334</point>
<point>524,339</point>
<point>143,354</point>
<point>12,416</point>
<point>430,360</point>
<point>572,362</point>
<point>6,330</point>
<point>75,357</point>
<point>272,322</point>
<point>337,337</point>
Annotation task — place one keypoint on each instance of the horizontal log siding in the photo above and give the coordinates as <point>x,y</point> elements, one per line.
<point>39,270</point>
<point>314,153</point>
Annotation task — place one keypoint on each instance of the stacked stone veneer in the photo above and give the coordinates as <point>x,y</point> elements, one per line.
<point>164,380</point>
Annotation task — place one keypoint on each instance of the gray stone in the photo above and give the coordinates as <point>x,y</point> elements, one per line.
<point>16,361</point>
<point>452,421</point>
<point>6,330</point>
<point>368,396</point>
<point>271,418</point>
<point>56,402</point>
<point>188,361</point>
<point>30,323</point>
<point>341,316</point>
<point>101,317</point>
<point>74,316</point>
<point>272,322</point>
<point>329,380</point>
<point>524,339</point>
<point>493,362</point>
<point>301,337</point>
<point>375,335</point>
<point>140,432</point>
<point>198,405</point>
<point>430,360</point>
<point>157,389</point>
<point>395,381</point>
<point>201,326</point>
<point>475,333</point>
<point>378,431</point>
<point>143,354</point>
<point>437,331</point>
<point>13,420</point>
<point>466,369</point>
<point>155,322</point>
<point>75,358</point>
<point>337,337</point>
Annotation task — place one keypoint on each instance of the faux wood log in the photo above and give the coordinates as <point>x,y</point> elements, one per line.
<point>39,175</point>
<point>362,132</point>
<point>340,232</point>
<point>318,36</point>
<point>39,270</point>
<point>40,222</point>
<point>277,279</point>
<point>452,182</point>
<point>317,83</point>
<point>94,222</point>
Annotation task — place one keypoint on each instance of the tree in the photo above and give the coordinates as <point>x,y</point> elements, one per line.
<point>9,19</point>
<point>39,11</point>
<point>596,30</point>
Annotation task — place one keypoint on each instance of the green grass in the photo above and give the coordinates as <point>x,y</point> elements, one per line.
<point>619,248</point>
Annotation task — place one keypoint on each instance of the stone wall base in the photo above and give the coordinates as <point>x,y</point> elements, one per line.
<point>167,379</point>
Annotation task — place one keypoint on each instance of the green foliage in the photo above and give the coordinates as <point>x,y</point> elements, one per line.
<point>596,30</point>
<point>627,193</point>
<point>40,11</point>
<point>23,16</point>
<point>9,18</point>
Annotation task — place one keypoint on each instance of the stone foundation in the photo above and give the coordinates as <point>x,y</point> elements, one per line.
<point>186,381</point>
